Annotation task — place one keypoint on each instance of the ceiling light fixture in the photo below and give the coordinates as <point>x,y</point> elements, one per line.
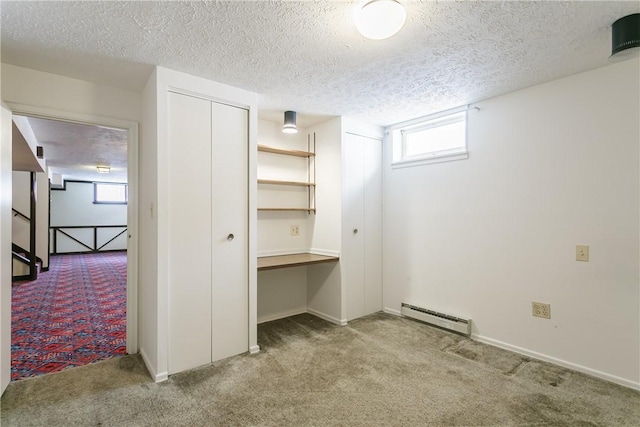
<point>379,19</point>
<point>103,169</point>
<point>289,122</point>
<point>625,35</point>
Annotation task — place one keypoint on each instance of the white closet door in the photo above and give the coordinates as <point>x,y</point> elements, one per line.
<point>372,155</point>
<point>229,180</point>
<point>190,253</point>
<point>362,221</point>
<point>352,256</point>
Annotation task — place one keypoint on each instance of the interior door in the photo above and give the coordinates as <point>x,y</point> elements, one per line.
<point>372,155</point>
<point>190,254</point>
<point>229,182</point>
<point>352,256</point>
<point>362,249</point>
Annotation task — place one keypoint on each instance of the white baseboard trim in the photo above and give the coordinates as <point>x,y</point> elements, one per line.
<point>535,355</point>
<point>327,317</point>
<point>392,311</point>
<point>326,252</point>
<point>154,376</point>
<point>282,315</point>
<point>254,349</point>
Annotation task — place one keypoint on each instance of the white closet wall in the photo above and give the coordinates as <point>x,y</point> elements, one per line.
<point>349,159</point>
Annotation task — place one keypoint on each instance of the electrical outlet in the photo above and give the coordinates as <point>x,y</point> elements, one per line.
<point>294,230</point>
<point>540,309</point>
<point>582,253</point>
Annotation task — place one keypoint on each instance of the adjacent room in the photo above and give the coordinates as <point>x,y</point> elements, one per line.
<point>379,212</point>
<point>69,310</point>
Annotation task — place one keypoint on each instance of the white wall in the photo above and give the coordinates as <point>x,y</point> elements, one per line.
<point>281,293</point>
<point>274,236</point>
<point>74,206</point>
<point>42,218</point>
<point>324,290</point>
<point>5,247</point>
<point>148,229</point>
<point>550,167</point>
<point>328,218</point>
<point>21,201</point>
<point>55,92</point>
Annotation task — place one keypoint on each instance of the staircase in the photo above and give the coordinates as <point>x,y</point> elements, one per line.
<point>22,267</point>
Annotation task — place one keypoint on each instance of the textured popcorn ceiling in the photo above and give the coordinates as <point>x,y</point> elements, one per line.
<point>74,149</point>
<point>308,56</point>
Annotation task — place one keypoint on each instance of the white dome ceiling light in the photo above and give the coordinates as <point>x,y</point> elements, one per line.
<point>379,19</point>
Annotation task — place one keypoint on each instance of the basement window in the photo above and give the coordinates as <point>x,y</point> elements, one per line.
<point>433,139</point>
<point>109,193</point>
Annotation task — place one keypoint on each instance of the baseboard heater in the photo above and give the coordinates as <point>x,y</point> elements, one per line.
<point>442,320</point>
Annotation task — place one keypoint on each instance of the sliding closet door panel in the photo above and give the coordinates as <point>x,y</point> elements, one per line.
<point>190,252</point>
<point>372,154</point>
<point>352,257</point>
<point>230,299</point>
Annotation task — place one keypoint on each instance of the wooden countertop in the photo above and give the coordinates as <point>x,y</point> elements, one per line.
<point>292,260</point>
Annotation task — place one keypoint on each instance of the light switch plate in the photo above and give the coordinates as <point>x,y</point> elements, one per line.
<point>582,253</point>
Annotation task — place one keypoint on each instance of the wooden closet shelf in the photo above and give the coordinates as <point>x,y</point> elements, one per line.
<point>297,153</point>
<point>293,260</point>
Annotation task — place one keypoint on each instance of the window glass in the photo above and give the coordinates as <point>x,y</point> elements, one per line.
<point>110,193</point>
<point>439,137</point>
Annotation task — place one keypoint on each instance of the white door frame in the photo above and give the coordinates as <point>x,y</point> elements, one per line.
<point>132,205</point>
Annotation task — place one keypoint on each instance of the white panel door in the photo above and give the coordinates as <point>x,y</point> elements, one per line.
<point>190,252</point>
<point>362,222</point>
<point>372,155</point>
<point>352,254</point>
<point>229,180</point>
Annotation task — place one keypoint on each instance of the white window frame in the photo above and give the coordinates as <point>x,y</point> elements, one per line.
<point>401,130</point>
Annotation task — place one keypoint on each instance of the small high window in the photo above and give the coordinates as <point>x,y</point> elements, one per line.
<point>437,138</point>
<point>110,193</point>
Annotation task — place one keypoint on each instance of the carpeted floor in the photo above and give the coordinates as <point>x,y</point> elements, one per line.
<point>72,315</point>
<point>378,370</point>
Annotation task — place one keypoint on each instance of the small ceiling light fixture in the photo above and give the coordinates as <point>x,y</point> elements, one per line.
<point>103,169</point>
<point>289,122</point>
<point>379,19</point>
<point>625,36</point>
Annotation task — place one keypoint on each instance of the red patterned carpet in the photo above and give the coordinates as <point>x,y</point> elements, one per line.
<point>72,315</point>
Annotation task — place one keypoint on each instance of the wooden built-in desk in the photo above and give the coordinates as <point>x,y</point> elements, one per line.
<point>293,260</point>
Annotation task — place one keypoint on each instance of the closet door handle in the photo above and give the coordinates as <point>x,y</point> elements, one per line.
<point>230,237</point>
<point>355,231</point>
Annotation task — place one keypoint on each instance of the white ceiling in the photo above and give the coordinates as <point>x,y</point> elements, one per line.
<point>307,56</point>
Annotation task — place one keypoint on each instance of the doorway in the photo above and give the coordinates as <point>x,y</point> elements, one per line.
<point>74,239</point>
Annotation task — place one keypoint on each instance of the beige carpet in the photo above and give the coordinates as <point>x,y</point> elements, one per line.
<point>379,370</point>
